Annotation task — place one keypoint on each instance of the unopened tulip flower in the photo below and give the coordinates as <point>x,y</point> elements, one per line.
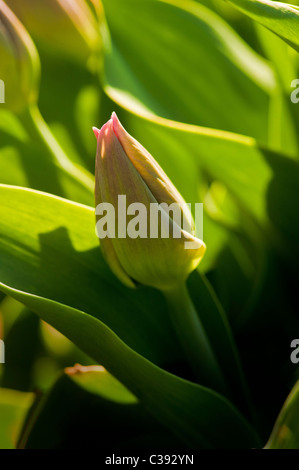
<point>19,62</point>
<point>19,83</point>
<point>125,169</point>
<point>67,27</point>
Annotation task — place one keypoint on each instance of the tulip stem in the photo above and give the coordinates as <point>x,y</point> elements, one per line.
<point>38,129</point>
<point>194,340</point>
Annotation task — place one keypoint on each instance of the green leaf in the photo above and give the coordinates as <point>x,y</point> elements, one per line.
<point>62,243</point>
<point>283,115</point>
<point>181,61</point>
<point>281,18</point>
<point>43,235</point>
<point>26,162</point>
<point>152,91</point>
<point>285,434</point>
<point>80,110</point>
<point>217,328</point>
<point>197,415</point>
<point>13,408</point>
<point>284,59</point>
<point>255,176</point>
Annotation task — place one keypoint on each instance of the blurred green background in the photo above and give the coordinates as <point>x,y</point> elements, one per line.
<point>206,88</point>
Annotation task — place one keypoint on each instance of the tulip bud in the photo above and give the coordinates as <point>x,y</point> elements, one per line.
<point>66,27</point>
<point>19,62</point>
<point>131,181</point>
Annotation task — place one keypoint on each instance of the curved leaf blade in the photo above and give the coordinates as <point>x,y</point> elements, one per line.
<point>42,237</point>
<point>285,434</point>
<point>24,275</point>
<point>181,61</point>
<point>199,416</point>
<point>281,18</point>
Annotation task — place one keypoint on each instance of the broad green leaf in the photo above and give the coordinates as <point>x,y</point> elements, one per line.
<point>256,177</point>
<point>181,61</point>
<point>42,236</point>
<point>281,18</point>
<point>13,408</point>
<point>156,117</point>
<point>197,415</point>
<point>63,242</point>
<point>285,434</point>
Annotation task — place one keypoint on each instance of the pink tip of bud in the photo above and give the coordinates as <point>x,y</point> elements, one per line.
<point>96,132</point>
<point>116,123</point>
